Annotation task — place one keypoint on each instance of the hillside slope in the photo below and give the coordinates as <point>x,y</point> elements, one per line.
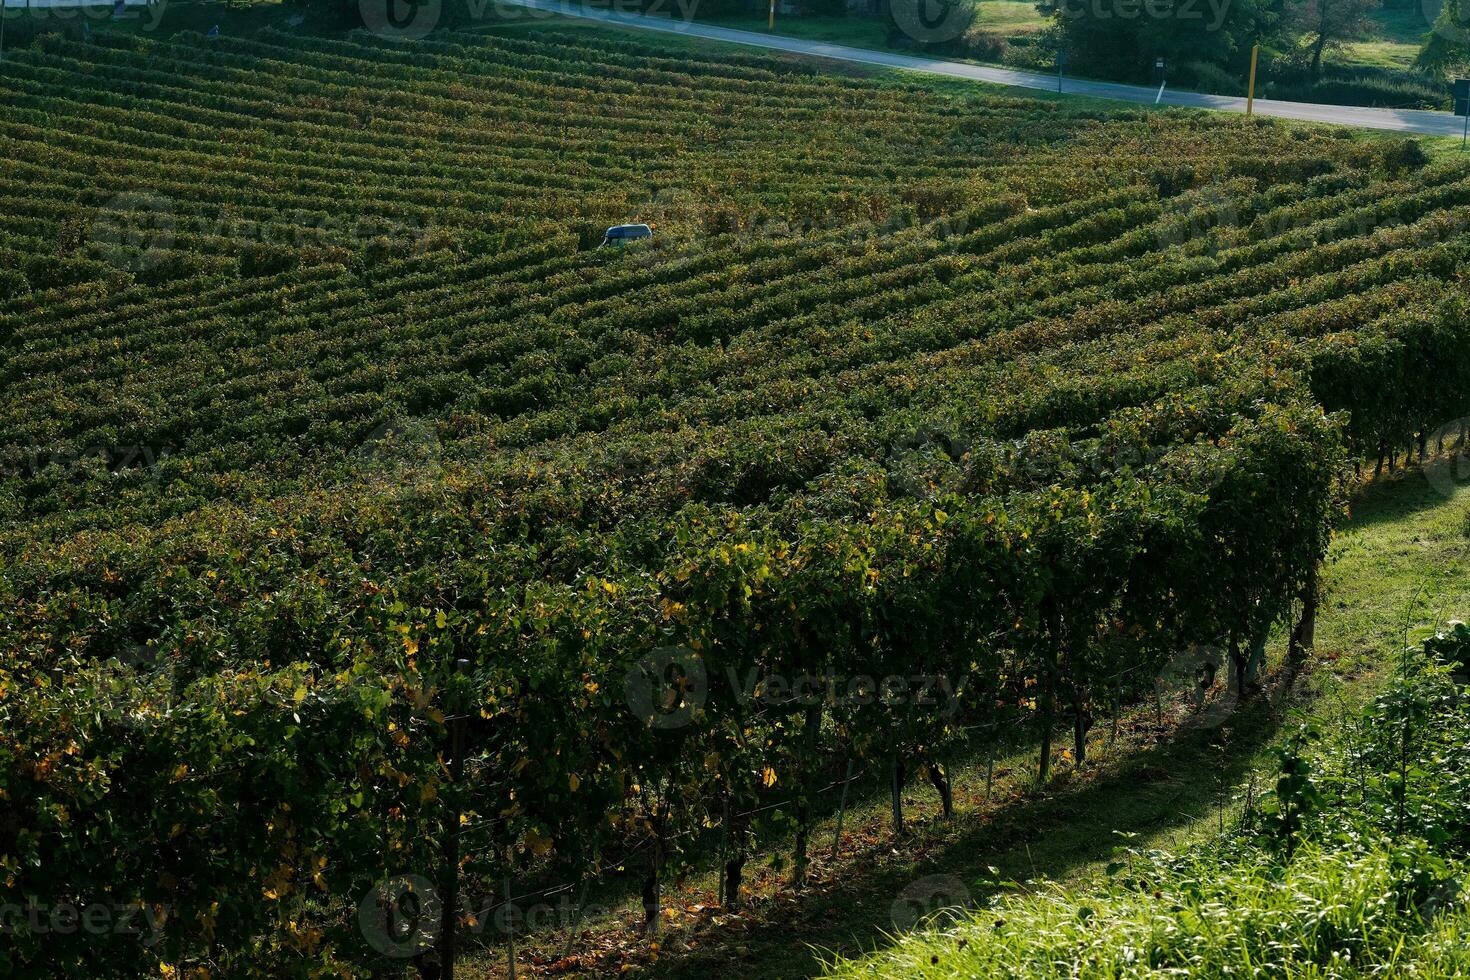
<point>358,509</point>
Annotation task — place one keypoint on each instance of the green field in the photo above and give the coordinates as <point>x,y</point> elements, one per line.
<point>367,530</point>
<point>1400,34</point>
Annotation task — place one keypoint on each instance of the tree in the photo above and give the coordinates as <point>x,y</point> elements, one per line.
<point>1447,46</point>
<point>1122,38</point>
<point>1329,23</point>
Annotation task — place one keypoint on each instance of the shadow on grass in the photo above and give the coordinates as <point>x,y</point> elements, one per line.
<point>1392,497</point>
<point>1048,835</point>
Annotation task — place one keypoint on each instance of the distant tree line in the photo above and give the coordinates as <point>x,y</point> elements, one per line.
<point>1205,43</point>
<point>1125,37</point>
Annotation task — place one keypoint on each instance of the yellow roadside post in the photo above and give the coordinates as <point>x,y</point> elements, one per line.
<point>771,17</point>
<point>1250,92</point>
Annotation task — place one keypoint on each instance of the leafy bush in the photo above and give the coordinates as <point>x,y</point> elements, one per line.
<point>1367,86</point>
<point>1206,76</point>
<point>260,259</point>
<point>980,44</point>
<point>12,283</point>
<point>1451,647</point>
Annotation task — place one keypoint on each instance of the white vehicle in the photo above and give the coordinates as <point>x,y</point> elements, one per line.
<point>622,234</point>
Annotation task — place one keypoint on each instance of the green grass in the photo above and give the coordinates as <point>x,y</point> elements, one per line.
<point>1221,918</point>
<point>1404,25</point>
<point>1378,54</point>
<point>1398,35</point>
<point>1010,16</point>
<point>1399,567</point>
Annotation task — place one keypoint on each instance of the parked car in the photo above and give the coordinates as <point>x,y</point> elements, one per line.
<point>622,234</point>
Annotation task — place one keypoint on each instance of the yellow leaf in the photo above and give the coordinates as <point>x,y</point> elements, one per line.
<point>537,843</point>
<point>573,781</point>
<point>768,777</point>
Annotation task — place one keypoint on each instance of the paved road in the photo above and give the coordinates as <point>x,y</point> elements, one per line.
<point>1402,120</point>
